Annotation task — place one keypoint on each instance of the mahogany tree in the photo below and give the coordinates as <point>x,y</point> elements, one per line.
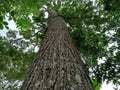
<point>57,65</point>
<point>93,27</point>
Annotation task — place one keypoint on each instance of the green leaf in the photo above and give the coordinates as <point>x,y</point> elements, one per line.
<point>1,26</point>
<point>6,27</point>
<point>5,23</point>
<point>24,23</point>
<point>96,84</point>
<point>1,18</point>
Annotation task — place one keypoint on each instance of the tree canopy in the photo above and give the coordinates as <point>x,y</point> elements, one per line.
<point>93,26</point>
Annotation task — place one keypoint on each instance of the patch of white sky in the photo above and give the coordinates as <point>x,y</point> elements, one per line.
<point>12,26</point>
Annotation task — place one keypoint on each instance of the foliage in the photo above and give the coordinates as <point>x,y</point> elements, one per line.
<point>14,63</point>
<point>94,27</point>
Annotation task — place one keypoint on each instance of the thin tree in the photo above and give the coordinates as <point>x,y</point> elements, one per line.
<point>57,65</point>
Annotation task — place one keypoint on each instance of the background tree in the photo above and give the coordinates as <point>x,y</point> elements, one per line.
<point>94,29</point>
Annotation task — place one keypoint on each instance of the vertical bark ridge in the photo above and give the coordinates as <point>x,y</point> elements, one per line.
<point>57,65</point>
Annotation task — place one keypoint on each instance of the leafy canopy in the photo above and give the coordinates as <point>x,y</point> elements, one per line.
<point>93,26</point>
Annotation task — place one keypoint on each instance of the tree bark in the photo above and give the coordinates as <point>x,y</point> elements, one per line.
<point>57,65</point>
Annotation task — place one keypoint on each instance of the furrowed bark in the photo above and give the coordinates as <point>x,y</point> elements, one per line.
<point>57,65</point>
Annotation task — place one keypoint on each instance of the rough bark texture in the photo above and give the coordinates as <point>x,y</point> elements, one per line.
<point>57,65</point>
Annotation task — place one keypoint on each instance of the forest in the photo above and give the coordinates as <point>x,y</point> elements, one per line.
<point>93,25</point>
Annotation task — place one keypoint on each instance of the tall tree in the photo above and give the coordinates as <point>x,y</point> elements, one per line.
<point>93,26</point>
<point>57,65</point>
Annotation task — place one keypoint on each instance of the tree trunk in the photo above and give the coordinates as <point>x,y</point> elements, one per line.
<point>57,65</point>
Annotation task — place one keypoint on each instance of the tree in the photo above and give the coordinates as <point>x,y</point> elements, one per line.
<point>57,65</point>
<point>89,24</point>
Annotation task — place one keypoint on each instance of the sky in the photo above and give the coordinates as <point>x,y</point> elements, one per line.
<point>107,86</point>
<point>12,26</point>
